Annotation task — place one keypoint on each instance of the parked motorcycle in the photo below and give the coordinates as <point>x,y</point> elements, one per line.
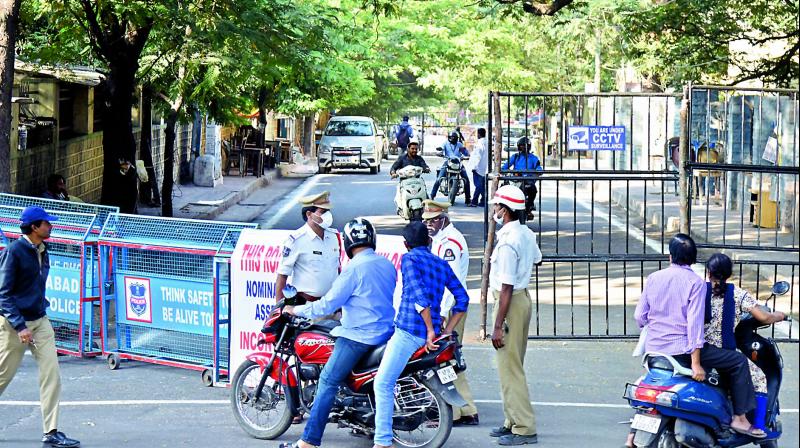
<point>411,191</point>
<point>270,388</point>
<point>672,410</point>
<point>452,185</point>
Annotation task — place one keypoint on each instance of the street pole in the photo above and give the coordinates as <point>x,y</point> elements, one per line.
<point>489,246</point>
<point>684,159</point>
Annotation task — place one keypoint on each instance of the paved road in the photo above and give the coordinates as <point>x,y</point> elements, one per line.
<point>576,386</point>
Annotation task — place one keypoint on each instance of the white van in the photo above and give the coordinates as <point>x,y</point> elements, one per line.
<point>351,142</point>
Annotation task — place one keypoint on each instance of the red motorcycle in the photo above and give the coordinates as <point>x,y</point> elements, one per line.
<point>272,387</point>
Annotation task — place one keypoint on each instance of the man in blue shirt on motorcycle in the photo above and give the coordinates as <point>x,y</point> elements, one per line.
<point>452,149</point>
<point>525,160</point>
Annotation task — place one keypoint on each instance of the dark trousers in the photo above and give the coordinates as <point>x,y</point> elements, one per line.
<point>442,173</point>
<point>480,186</point>
<point>733,365</point>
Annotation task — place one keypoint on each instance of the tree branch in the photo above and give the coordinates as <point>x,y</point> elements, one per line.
<point>544,9</point>
<point>96,31</point>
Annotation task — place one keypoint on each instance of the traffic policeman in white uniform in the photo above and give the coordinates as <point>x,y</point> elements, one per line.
<point>511,264</point>
<point>450,245</point>
<point>311,253</point>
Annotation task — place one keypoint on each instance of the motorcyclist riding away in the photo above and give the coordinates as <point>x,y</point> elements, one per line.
<point>524,160</point>
<point>452,149</point>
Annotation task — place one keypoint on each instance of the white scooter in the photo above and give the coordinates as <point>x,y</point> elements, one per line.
<point>411,191</point>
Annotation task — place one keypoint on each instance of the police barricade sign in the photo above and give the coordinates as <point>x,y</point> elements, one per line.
<point>254,266</point>
<point>596,138</point>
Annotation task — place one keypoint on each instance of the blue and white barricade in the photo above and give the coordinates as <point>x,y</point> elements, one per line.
<point>73,286</point>
<point>162,281</point>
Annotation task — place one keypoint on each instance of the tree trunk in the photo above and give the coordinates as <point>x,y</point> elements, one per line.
<point>308,135</point>
<point>9,16</point>
<point>119,145</point>
<point>149,193</point>
<point>169,164</point>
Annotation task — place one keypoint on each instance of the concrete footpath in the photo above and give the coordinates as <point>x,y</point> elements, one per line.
<point>195,202</point>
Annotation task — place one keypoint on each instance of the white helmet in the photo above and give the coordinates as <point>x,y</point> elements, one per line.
<point>510,196</point>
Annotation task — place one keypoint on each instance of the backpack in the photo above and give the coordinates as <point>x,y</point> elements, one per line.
<point>402,136</point>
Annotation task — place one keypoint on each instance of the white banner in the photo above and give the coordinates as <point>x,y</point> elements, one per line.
<point>254,268</point>
<point>253,274</point>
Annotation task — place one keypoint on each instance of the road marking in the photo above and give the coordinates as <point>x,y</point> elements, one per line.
<point>558,404</point>
<point>290,202</point>
<point>633,231</point>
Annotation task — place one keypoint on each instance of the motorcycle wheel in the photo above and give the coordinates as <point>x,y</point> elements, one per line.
<point>416,215</point>
<point>270,417</point>
<point>769,444</point>
<point>435,415</point>
<point>453,187</point>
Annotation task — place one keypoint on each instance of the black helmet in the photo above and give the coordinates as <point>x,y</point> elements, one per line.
<point>524,141</point>
<point>358,232</point>
<point>453,137</point>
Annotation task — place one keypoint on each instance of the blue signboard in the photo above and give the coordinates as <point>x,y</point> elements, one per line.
<point>596,138</point>
<point>63,289</point>
<point>168,304</point>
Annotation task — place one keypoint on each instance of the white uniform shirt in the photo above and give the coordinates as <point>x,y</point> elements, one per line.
<point>514,256</point>
<point>311,261</point>
<point>451,246</point>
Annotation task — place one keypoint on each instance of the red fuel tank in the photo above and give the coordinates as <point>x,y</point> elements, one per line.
<point>313,348</point>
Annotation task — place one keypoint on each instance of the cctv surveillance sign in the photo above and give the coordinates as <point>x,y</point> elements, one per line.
<point>596,138</point>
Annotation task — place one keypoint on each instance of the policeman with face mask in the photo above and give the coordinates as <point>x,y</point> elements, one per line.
<point>311,253</point>
<point>511,264</point>
<point>449,244</point>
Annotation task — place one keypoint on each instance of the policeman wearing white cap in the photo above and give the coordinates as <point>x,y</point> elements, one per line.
<point>450,245</point>
<point>511,264</point>
<point>311,253</point>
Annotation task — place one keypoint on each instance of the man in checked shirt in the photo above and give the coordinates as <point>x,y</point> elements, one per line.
<point>425,277</point>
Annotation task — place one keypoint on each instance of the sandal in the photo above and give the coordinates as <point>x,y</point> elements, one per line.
<point>752,431</point>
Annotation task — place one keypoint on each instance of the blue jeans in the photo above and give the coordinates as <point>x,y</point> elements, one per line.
<point>480,185</point>
<point>346,354</point>
<point>398,351</point>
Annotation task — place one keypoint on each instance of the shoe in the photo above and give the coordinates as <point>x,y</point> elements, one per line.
<point>467,420</point>
<point>500,432</point>
<point>470,204</point>
<point>516,439</point>
<point>297,420</point>
<point>59,440</point>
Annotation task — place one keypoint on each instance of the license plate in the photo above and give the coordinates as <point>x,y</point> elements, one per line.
<point>346,161</point>
<point>646,423</point>
<point>447,374</point>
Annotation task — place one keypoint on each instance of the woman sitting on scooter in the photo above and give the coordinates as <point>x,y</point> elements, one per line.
<point>725,305</point>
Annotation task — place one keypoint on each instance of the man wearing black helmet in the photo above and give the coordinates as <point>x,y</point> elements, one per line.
<point>364,292</point>
<point>525,160</point>
<point>452,149</point>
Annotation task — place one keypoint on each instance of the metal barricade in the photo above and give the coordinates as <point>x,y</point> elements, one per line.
<point>161,291</point>
<point>73,285</point>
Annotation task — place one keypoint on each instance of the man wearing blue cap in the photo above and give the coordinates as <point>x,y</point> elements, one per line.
<point>24,266</point>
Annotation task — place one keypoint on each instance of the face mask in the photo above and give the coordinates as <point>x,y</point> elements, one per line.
<point>498,218</point>
<point>327,220</point>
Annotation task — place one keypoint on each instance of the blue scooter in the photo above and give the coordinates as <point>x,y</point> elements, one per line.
<point>673,410</point>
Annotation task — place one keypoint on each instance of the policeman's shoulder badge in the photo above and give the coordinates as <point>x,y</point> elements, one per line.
<point>449,255</point>
<point>286,251</point>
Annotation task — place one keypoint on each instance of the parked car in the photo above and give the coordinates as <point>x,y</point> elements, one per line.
<point>351,142</point>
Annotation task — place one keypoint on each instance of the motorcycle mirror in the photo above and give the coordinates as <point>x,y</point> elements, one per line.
<point>289,292</point>
<point>780,288</point>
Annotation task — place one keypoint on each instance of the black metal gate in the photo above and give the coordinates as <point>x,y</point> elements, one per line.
<point>604,218</point>
<point>601,217</point>
<point>743,187</point>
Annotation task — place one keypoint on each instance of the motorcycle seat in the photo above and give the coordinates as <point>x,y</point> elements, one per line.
<point>325,326</point>
<point>371,360</point>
